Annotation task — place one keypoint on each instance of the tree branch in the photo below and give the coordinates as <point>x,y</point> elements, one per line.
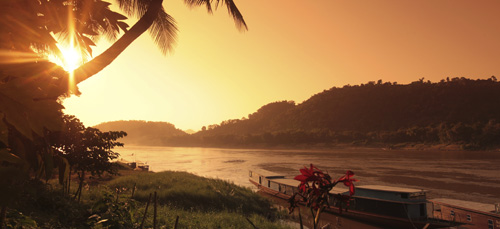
<point>100,62</point>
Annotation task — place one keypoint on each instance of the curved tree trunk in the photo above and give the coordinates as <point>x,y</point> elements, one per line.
<point>100,62</point>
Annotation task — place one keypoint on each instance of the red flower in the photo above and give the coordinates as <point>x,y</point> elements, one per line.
<point>313,175</point>
<point>348,181</point>
<point>315,186</point>
<point>307,174</point>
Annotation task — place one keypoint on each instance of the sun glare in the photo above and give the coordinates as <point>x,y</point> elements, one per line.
<point>72,59</point>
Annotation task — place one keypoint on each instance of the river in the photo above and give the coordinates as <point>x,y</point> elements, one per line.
<point>465,175</point>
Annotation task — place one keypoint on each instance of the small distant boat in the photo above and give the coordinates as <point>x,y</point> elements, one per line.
<point>392,207</point>
<point>135,165</point>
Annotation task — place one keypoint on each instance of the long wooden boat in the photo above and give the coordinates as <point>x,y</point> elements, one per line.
<point>389,207</point>
<point>472,214</point>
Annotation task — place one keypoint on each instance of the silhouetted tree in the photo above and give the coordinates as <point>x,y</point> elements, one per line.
<point>88,150</point>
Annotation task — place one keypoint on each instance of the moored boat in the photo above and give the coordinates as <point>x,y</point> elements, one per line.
<point>389,207</point>
<point>135,165</point>
<point>471,214</point>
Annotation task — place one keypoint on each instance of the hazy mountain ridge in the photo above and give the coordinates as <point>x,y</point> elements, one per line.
<point>143,132</point>
<point>457,111</point>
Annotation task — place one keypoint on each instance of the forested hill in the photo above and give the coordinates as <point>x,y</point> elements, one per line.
<point>459,110</point>
<point>143,132</point>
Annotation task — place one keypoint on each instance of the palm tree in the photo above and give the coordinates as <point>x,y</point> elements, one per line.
<point>84,21</point>
<point>28,31</point>
<point>31,86</point>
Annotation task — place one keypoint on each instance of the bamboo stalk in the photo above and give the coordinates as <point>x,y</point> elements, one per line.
<point>314,218</point>
<point>154,213</point>
<point>145,211</point>
<point>253,225</point>
<point>133,190</point>
<point>176,222</point>
<point>300,220</point>
<point>318,213</point>
<point>69,182</point>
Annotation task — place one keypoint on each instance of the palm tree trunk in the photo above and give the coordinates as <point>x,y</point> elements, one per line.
<point>100,62</point>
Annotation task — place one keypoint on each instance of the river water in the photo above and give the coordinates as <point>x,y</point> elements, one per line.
<point>465,175</point>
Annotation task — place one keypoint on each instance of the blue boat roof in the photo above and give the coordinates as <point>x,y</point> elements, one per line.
<point>389,189</point>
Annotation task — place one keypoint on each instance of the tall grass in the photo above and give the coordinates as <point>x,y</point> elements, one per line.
<point>197,202</point>
<point>186,191</point>
<point>214,219</point>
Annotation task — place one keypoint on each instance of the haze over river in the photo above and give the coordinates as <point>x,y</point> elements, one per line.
<point>466,175</point>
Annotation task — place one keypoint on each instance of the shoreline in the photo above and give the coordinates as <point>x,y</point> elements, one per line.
<point>344,146</point>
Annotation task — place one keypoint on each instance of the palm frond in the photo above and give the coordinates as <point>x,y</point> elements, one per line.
<point>193,3</point>
<point>231,8</point>
<point>164,31</point>
<point>237,16</point>
<point>134,7</point>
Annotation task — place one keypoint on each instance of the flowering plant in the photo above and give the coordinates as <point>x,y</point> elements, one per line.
<point>314,188</point>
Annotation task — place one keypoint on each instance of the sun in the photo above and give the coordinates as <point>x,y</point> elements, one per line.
<point>72,59</point>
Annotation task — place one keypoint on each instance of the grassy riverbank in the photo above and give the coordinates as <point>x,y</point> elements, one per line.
<point>195,201</point>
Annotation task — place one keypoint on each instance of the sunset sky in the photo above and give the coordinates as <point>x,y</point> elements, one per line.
<point>292,50</point>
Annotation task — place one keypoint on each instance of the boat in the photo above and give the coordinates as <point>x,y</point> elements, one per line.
<point>135,165</point>
<point>471,214</point>
<point>385,206</point>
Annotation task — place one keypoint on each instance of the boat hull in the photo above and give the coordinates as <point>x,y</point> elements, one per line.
<point>375,219</point>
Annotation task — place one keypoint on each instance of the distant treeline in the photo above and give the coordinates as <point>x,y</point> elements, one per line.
<point>453,111</point>
<point>143,132</point>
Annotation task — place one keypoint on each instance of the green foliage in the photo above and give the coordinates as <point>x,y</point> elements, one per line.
<point>190,192</point>
<point>18,220</point>
<point>212,219</point>
<point>84,150</point>
<point>47,207</point>
<point>87,149</point>
<point>107,212</point>
<point>100,208</point>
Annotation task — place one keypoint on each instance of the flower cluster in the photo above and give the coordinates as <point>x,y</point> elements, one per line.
<point>315,186</point>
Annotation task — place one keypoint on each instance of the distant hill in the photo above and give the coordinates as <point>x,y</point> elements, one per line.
<point>143,132</point>
<point>460,111</point>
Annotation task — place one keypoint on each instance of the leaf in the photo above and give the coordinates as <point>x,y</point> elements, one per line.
<point>24,113</point>
<point>114,15</point>
<point>5,155</point>
<point>122,25</point>
<point>48,162</point>
<point>64,167</point>
<point>88,41</point>
<point>164,31</point>
<point>237,16</point>
<point>102,221</point>
<point>89,31</point>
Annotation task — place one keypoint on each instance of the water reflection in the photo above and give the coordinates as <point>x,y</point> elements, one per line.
<point>461,175</point>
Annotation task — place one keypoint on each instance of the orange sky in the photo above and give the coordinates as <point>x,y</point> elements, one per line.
<point>292,50</point>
